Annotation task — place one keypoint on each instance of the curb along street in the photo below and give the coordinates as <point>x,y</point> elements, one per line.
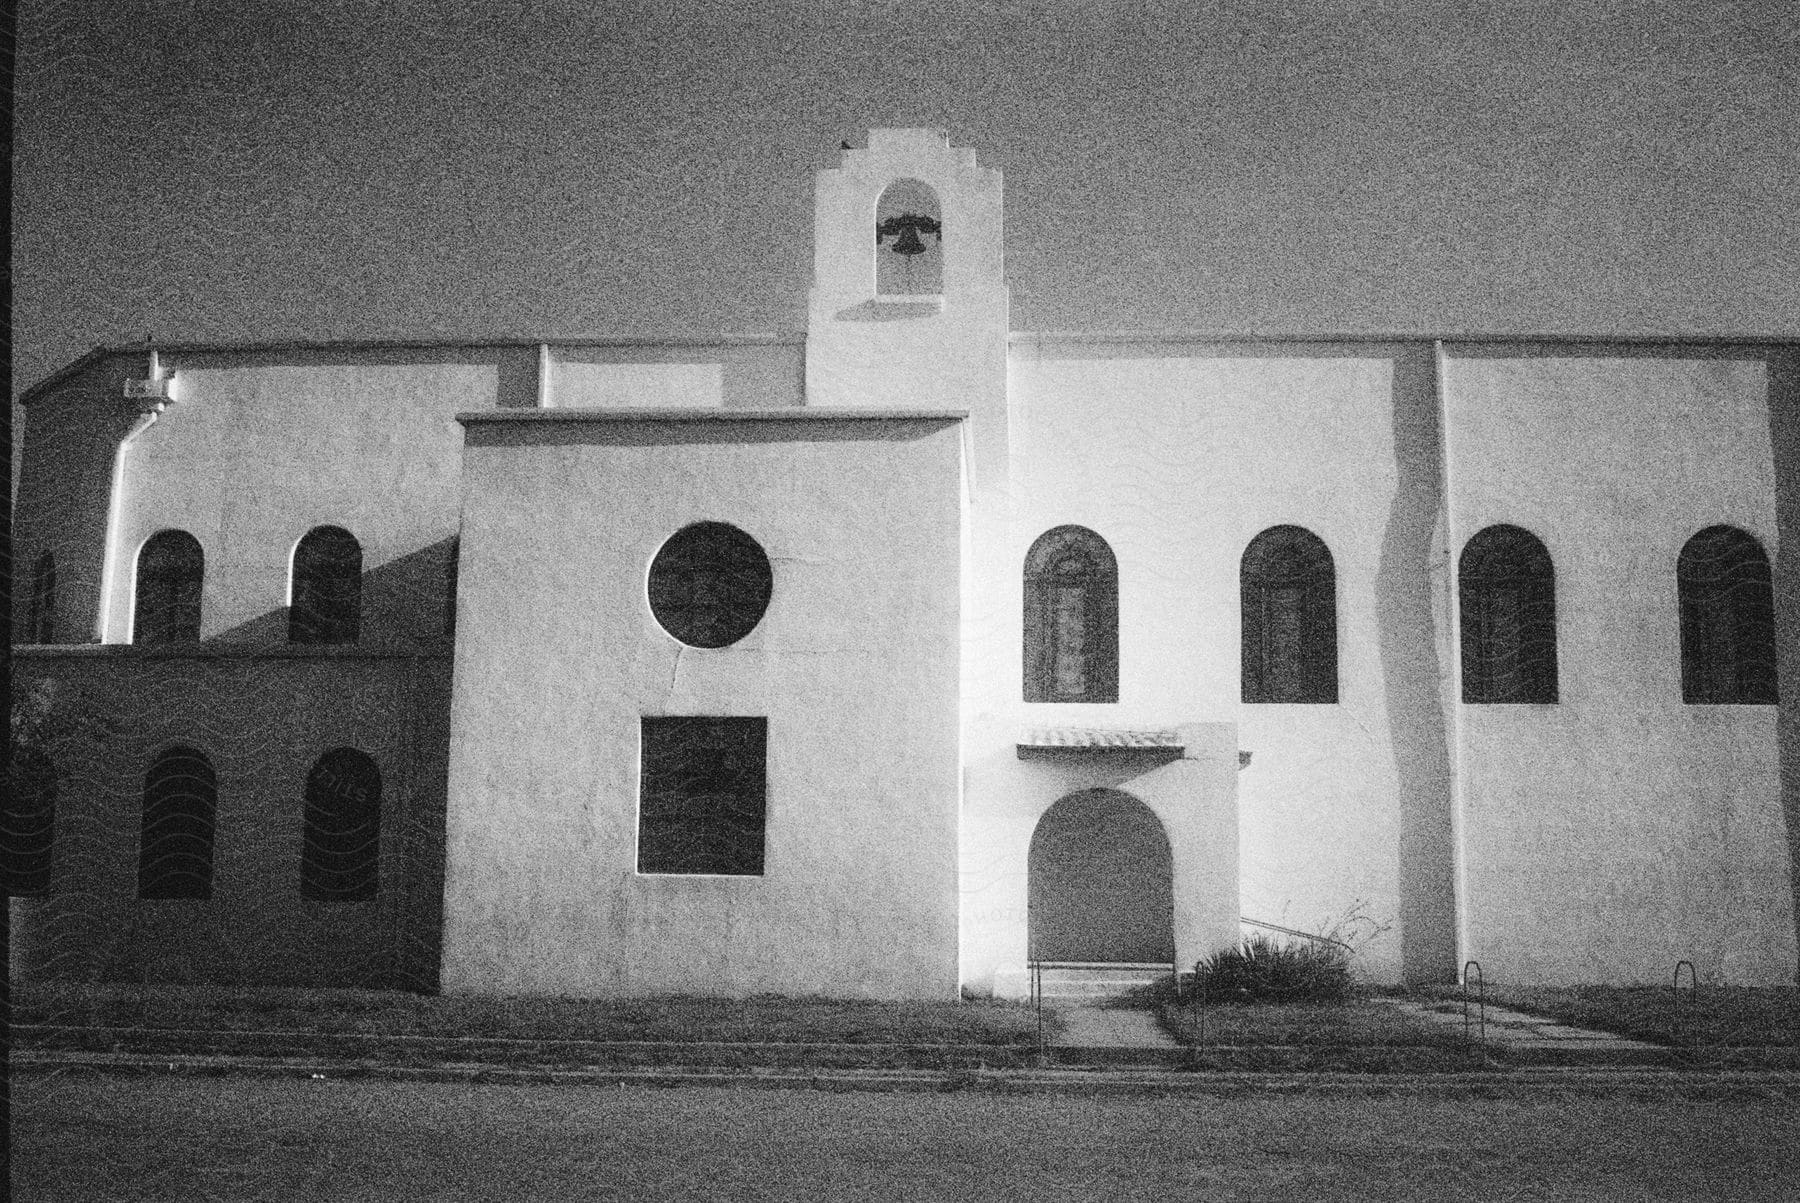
<point>1067,1075</point>
<point>1648,1082</point>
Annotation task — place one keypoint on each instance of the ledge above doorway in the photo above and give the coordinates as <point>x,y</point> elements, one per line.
<point>1059,742</point>
<point>1062,741</point>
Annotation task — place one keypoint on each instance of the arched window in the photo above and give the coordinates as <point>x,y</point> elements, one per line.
<point>40,626</point>
<point>326,603</point>
<point>170,569</point>
<point>340,859</point>
<point>1508,592</point>
<point>909,241</point>
<point>1071,618</point>
<point>180,805</point>
<point>1289,593</point>
<point>28,822</point>
<point>1727,619</point>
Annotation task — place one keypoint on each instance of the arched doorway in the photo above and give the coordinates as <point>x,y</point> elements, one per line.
<point>1100,884</point>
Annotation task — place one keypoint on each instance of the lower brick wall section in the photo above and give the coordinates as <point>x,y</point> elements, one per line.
<point>262,718</point>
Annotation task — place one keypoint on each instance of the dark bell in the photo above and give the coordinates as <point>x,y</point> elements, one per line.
<point>908,243</point>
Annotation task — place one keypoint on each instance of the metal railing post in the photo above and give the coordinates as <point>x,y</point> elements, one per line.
<point>1199,1013</point>
<point>1037,998</point>
<point>1676,1027</point>
<point>1481,1004</point>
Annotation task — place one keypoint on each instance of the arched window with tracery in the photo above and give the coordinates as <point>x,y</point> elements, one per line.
<point>1288,588</point>
<point>340,858</point>
<point>1727,619</point>
<point>909,241</point>
<point>171,568</point>
<point>1507,589</point>
<point>175,856</point>
<point>40,625</point>
<point>325,605</point>
<point>1071,618</point>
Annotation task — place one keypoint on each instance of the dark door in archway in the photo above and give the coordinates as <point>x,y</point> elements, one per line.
<point>1100,882</point>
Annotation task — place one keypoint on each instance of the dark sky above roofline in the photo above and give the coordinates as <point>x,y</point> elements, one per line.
<point>210,172</point>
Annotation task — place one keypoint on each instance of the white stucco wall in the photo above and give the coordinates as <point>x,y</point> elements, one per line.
<point>1178,460</point>
<point>701,385</point>
<point>1619,830</point>
<point>747,372</point>
<point>71,435</point>
<point>854,665</point>
<point>249,458</point>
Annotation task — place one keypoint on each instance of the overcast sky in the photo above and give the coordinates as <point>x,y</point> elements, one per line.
<point>230,171</point>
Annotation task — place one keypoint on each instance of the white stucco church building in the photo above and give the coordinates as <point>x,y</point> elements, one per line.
<point>883,660</point>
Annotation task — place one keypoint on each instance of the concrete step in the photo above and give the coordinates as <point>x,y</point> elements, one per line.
<point>1087,983</point>
<point>1088,990</point>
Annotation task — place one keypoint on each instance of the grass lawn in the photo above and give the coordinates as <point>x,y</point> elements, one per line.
<point>764,1018</point>
<point>1357,1022</point>
<point>1721,1016</point>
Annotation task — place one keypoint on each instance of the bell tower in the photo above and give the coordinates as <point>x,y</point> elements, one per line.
<point>909,300</point>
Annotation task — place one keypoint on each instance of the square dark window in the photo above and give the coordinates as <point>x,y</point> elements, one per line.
<point>702,795</point>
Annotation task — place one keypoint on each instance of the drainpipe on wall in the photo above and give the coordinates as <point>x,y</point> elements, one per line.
<point>152,400</point>
<point>1453,612</point>
<point>544,398</point>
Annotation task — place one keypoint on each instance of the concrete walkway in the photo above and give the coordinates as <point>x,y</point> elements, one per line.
<point>1102,1027</point>
<point>1516,1029</point>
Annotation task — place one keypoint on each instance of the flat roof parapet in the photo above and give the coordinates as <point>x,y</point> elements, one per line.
<point>794,413</point>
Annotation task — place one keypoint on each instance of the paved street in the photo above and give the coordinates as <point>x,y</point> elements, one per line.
<point>93,1138</point>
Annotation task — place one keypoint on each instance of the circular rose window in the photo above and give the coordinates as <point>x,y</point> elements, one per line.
<point>710,584</point>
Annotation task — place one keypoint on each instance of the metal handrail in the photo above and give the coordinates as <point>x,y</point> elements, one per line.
<point>1200,1014</point>
<point>1292,931</point>
<point>1481,1006</point>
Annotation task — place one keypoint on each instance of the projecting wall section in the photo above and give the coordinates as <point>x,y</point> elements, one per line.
<point>854,665</point>
<point>1784,433</point>
<point>71,435</point>
<point>1179,456</point>
<point>262,718</point>
<point>1619,830</point>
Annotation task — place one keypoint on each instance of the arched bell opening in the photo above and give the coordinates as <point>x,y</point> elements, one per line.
<point>909,241</point>
<point>1100,882</point>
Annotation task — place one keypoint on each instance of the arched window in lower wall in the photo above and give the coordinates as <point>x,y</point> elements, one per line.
<point>1727,619</point>
<point>1507,588</point>
<point>175,857</point>
<point>340,859</point>
<point>1288,590</point>
<point>28,823</point>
